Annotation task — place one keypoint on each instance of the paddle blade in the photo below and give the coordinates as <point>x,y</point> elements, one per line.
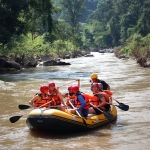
<point>123,107</point>
<point>14,119</point>
<point>108,115</point>
<point>21,106</point>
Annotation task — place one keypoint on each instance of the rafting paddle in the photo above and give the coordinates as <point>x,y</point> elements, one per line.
<point>16,118</point>
<point>108,115</point>
<point>122,106</point>
<point>22,106</point>
<point>78,113</point>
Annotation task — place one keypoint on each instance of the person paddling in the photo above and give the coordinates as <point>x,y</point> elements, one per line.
<point>70,97</point>
<point>99,100</point>
<point>41,98</point>
<point>82,103</point>
<point>56,96</point>
<point>108,92</point>
<point>69,90</point>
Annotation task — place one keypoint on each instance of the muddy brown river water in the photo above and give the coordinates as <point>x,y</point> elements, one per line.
<point>129,82</point>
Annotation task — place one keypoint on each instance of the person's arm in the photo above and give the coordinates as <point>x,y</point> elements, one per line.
<point>109,93</point>
<point>78,82</point>
<point>82,101</point>
<point>61,98</point>
<point>102,99</point>
<point>65,95</point>
<point>34,99</point>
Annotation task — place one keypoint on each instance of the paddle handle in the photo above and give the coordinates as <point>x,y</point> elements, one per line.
<point>78,113</point>
<point>108,115</point>
<point>75,108</point>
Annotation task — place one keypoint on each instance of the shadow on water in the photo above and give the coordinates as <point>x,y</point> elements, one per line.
<point>66,135</point>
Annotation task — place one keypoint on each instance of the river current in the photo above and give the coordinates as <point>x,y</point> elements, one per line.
<point>128,81</point>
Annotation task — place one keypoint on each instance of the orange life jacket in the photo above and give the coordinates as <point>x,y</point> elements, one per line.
<point>72,99</point>
<point>78,104</point>
<point>108,92</point>
<point>53,95</point>
<point>44,99</point>
<point>96,101</point>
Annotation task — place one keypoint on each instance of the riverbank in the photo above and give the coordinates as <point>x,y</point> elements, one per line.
<point>142,59</point>
<point>11,64</point>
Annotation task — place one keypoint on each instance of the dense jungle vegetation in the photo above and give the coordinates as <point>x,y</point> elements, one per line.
<point>58,27</point>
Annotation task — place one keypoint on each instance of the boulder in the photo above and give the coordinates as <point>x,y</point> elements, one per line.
<point>62,63</point>
<point>89,55</point>
<point>2,63</point>
<point>52,63</point>
<point>49,63</point>
<point>31,62</point>
<point>45,58</point>
<point>12,64</point>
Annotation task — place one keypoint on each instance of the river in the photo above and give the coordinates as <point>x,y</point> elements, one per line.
<point>128,81</point>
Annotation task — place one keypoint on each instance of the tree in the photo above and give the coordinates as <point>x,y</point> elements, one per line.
<point>10,22</point>
<point>39,17</point>
<point>72,11</point>
<point>23,16</point>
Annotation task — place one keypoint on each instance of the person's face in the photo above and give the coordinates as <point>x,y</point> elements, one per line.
<point>73,93</point>
<point>51,88</point>
<point>70,91</point>
<point>45,91</point>
<point>94,80</point>
<point>94,89</point>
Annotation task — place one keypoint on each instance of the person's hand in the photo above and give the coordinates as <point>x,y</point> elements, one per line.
<point>66,94</point>
<point>78,110</point>
<point>78,80</point>
<point>73,101</point>
<point>65,106</point>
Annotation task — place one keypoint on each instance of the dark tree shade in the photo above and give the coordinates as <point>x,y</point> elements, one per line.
<point>9,22</point>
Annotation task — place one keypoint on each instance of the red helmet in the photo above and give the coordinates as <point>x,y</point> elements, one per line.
<point>43,88</point>
<point>75,89</point>
<point>69,88</point>
<point>51,84</point>
<point>94,84</point>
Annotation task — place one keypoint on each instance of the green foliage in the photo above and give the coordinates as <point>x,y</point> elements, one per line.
<point>72,11</point>
<point>139,48</point>
<point>22,16</point>
<point>32,27</point>
<point>25,45</point>
<point>60,48</point>
<point>10,24</point>
<point>126,50</point>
